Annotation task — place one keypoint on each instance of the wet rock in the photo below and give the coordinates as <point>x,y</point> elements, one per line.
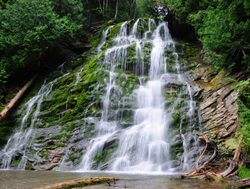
<point>218,108</point>
<point>50,166</point>
<point>56,155</point>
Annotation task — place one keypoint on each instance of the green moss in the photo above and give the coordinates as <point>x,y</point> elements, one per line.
<point>176,150</point>
<point>114,31</point>
<point>192,53</point>
<point>171,95</point>
<point>45,154</point>
<point>243,88</point>
<point>176,118</point>
<point>105,154</point>
<point>75,156</point>
<point>16,160</point>
<point>127,82</point>
<point>231,144</point>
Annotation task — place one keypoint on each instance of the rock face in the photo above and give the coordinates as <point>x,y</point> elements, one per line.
<point>219,112</point>
<point>218,103</point>
<point>218,108</point>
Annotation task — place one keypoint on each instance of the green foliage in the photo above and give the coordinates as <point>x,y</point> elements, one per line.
<point>225,35</point>
<point>104,155</point>
<point>223,28</point>
<point>3,76</point>
<point>244,111</point>
<point>144,7</point>
<point>244,172</point>
<point>29,27</point>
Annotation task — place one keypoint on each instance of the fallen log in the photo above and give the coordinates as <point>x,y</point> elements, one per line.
<point>78,183</point>
<point>17,98</point>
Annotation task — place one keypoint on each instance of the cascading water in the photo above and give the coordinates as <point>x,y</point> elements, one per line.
<point>144,146</point>
<point>103,41</point>
<point>22,139</point>
<point>146,128</point>
<point>19,143</point>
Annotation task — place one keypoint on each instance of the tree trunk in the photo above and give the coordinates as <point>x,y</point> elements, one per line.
<point>17,98</point>
<point>233,165</point>
<point>116,9</point>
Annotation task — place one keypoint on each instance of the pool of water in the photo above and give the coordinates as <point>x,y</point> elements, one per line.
<point>34,179</point>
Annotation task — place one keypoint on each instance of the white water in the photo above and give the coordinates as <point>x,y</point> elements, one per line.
<point>145,145</point>
<point>22,139</point>
<point>18,144</point>
<point>103,41</point>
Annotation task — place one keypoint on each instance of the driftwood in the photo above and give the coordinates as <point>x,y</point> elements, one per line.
<point>212,157</point>
<point>79,183</point>
<point>16,99</point>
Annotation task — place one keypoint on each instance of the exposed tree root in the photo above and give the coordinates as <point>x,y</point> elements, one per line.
<point>204,168</point>
<point>234,164</point>
<point>243,183</point>
<point>16,99</point>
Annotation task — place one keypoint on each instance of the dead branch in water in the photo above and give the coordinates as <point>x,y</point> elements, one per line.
<point>204,169</point>
<point>79,183</point>
<point>16,99</point>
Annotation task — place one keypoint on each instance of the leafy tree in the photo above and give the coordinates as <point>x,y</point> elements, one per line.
<point>224,32</point>
<point>222,26</point>
<point>29,27</point>
<point>144,7</point>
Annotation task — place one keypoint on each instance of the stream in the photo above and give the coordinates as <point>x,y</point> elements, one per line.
<point>34,179</point>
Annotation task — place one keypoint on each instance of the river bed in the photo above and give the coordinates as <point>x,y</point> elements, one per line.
<point>34,179</point>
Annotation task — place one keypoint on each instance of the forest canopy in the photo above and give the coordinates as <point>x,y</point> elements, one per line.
<point>223,27</point>
<point>28,28</point>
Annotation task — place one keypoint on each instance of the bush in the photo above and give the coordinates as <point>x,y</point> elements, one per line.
<point>244,172</point>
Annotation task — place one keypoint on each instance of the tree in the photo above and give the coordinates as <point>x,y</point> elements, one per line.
<point>29,27</point>
<point>222,26</point>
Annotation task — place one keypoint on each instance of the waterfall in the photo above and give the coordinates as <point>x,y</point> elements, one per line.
<point>144,146</point>
<point>19,143</point>
<point>22,139</point>
<point>145,115</point>
<point>103,41</point>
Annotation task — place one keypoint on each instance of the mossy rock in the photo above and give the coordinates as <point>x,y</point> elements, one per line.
<point>103,156</point>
